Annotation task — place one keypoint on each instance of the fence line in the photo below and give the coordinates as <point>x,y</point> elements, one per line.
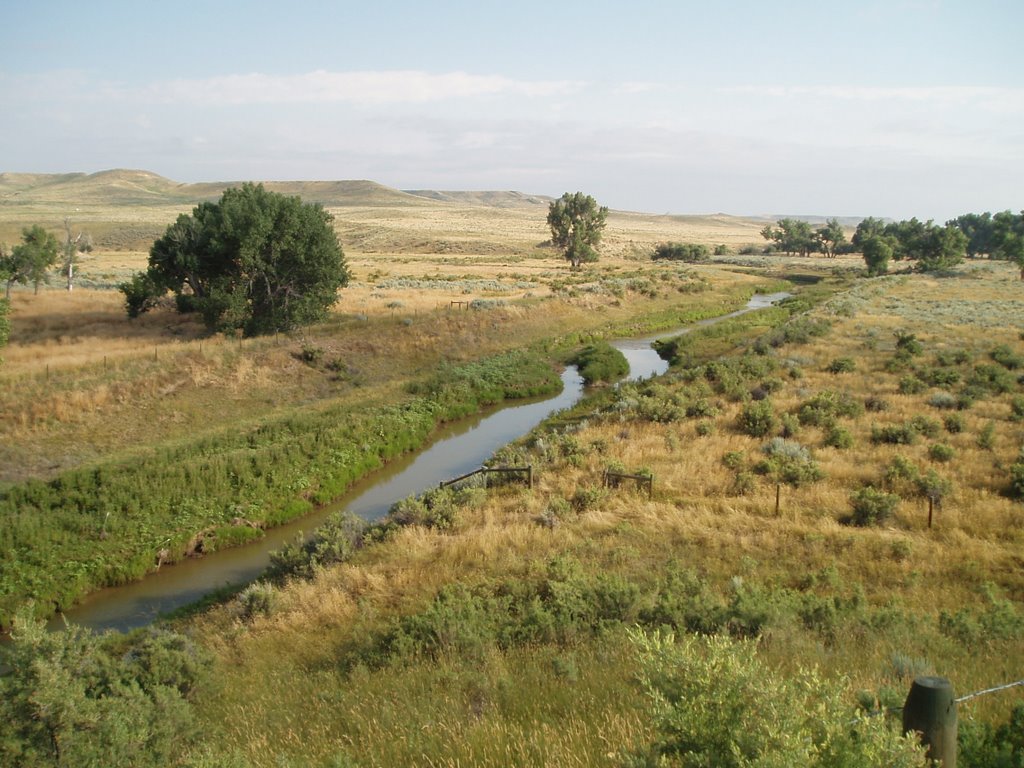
<point>996,689</point>
<point>527,470</point>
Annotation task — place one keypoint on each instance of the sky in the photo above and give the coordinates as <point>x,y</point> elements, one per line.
<point>892,108</point>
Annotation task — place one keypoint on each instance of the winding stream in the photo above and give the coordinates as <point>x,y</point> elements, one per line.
<point>455,449</point>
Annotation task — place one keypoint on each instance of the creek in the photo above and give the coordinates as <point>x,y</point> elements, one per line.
<point>455,449</point>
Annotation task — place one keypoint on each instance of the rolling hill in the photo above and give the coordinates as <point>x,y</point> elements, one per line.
<point>136,187</point>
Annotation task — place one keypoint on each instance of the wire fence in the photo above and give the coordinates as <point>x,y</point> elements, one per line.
<point>959,700</point>
<point>987,691</point>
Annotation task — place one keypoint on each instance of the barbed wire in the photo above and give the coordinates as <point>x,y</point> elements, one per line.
<point>959,700</point>
<point>996,689</point>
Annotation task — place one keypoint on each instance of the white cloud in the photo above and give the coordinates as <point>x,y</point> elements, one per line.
<point>951,95</point>
<point>639,87</point>
<point>386,87</point>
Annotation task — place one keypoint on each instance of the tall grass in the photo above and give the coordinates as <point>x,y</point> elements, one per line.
<point>437,644</point>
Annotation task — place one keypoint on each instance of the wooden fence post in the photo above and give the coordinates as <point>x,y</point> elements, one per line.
<point>930,710</point>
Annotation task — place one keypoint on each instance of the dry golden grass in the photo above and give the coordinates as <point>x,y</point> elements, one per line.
<point>978,538</point>
<point>80,381</point>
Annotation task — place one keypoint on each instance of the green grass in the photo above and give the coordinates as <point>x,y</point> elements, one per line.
<point>104,525</point>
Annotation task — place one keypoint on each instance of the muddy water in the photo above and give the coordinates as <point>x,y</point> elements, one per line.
<point>456,448</point>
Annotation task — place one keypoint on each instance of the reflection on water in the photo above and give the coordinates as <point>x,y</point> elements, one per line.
<point>456,449</point>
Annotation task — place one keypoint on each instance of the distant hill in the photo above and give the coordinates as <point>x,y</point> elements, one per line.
<point>495,199</point>
<point>122,187</point>
<point>131,187</point>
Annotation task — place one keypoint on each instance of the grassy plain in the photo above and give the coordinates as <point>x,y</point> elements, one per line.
<point>869,607</point>
<point>500,638</point>
<point>82,382</point>
<point>436,283</point>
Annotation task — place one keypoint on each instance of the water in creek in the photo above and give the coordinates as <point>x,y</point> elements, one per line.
<point>455,449</point>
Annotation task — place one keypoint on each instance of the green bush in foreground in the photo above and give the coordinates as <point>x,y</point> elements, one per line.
<point>73,698</point>
<point>714,703</point>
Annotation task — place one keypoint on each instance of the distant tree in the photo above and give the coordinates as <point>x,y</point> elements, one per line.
<point>940,248</point>
<point>877,252</point>
<point>255,260</point>
<point>830,237</point>
<point>869,227</point>
<point>681,252</point>
<point>29,261</point>
<point>73,245</point>
<point>1008,238</point>
<point>979,230</point>
<point>577,223</point>
<point>792,236</point>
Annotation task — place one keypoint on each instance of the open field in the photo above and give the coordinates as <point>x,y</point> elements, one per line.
<point>869,607</point>
<point>436,283</point>
<point>498,626</point>
<point>80,377</point>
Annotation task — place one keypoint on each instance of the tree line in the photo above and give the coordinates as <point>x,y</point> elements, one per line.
<point>932,246</point>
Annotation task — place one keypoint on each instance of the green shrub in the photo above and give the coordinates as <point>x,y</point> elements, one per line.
<point>986,745</point>
<point>1017,409</point>
<point>911,385</point>
<point>820,409</point>
<point>743,483</point>
<point>257,599</point>
<point>838,437</point>
<point>690,252</point>
<point>757,419</point>
<point>939,377</point>
<point>875,404</point>
<point>600,362</point>
<point>941,452</point>
<point>332,542</point>
<point>987,436</point>
<point>790,425</point>
<point>713,702</point>
<point>1017,478</point>
<point>701,409</point>
<point>992,379</point>
<point>788,462</point>
<point>311,355</point>
<point>872,506</point>
<point>925,426</point>
<point>842,365</point>
<point>588,497</point>
<point>954,423</point>
<point>734,459</point>
<point>942,401</point>
<point>908,343</point>
<point>901,475</point>
<point>894,434</point>
<point>947,358</point>
<point>73,698</point>
<point>1007,358</point>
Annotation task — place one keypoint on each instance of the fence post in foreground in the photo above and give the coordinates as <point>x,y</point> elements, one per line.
<point>930,710</point>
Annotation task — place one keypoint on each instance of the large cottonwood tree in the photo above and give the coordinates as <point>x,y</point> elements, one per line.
<point>256,260</point>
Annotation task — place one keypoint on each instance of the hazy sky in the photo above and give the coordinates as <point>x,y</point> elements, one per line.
<point>883,107</point>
